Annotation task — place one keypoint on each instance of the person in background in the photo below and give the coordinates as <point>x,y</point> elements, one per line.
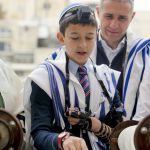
<point>124,51</point>
<point>67,99</point>
<point>11,92</point>
<point>121,49</point>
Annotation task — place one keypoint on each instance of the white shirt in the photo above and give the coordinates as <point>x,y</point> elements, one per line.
<point>111,53</point>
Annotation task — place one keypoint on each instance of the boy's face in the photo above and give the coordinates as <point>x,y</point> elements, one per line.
<point>79,41</point>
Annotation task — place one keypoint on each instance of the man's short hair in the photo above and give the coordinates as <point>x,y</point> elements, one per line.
<point>122,1</point>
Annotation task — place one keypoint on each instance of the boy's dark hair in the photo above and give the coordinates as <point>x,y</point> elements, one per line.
<point>80,14</point>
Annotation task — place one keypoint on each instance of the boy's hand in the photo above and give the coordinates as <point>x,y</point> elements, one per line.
<point>76,116</point>
<point>73,121</point>
<point>74,143</point>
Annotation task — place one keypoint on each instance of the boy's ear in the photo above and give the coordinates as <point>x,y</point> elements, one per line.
<point>60,37</point>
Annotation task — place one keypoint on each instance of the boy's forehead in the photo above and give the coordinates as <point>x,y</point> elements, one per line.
<point>79,28</point>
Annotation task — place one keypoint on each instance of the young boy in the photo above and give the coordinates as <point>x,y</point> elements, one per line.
<point>61,112</point>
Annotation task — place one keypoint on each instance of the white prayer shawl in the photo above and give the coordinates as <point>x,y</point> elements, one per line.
<point>40,77</point>
<point>132,80</point>
<point>136,60</point>
<point>126,137</point>
<point>11,89</point>
<point>143,105</point>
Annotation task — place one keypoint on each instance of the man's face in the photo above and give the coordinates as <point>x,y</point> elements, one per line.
<point>115,18</point>
<point>79,41</point>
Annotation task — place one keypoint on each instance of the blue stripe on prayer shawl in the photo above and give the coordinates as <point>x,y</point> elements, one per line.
<point>102,112</point>
<point>113,80</point>
<point>133,50</point>
<point>64,84</point>
<point>55,94</point>
<point>108,82</point>
<point>131,65</point>
<point>101,145</point>
<point>54,55</point>
<point>143,58</point>
<point>140,47</point>
<point>148,50</point>
<point>62,77</point>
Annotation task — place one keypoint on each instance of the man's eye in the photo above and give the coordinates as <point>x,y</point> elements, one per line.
<point>108,17</point>
<point>122,18</point>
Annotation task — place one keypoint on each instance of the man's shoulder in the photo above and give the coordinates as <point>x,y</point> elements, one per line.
<point>132,38</point>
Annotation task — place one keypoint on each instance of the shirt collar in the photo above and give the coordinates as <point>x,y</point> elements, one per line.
<point>104,44</point>
<point>74,66</point>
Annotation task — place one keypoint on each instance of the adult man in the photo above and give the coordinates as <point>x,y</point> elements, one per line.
<point>121,49</point>
<point>124,51</point>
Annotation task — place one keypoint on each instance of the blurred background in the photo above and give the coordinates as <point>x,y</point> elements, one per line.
<point>28,29</point>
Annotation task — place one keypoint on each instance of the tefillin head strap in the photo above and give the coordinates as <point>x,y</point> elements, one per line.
<point>83,14</point>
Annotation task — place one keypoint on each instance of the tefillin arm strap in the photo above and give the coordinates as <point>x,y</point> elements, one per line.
<point>102,85</point>
<point>67,104</point>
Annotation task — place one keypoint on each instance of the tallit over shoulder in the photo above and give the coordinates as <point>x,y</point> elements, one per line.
<point>109,77</point>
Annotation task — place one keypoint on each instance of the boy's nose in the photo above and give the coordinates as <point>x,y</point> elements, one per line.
<point>83,43</point>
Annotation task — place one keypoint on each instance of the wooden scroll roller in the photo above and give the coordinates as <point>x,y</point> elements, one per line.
<point>11,135</point>
<point>142,135</point>
<point>117,130</point>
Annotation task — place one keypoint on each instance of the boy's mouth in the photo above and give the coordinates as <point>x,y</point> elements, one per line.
<point>81,53</point>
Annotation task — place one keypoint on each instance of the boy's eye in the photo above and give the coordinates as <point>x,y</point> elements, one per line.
<point>89,38</point>
<point>74,38</point>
